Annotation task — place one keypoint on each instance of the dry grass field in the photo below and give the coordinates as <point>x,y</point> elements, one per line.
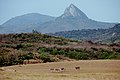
<point>89,70</point>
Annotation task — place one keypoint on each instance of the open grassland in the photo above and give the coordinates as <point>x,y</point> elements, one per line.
<point>89,70</point>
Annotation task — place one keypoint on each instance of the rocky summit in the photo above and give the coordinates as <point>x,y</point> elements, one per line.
<point>73,11</point>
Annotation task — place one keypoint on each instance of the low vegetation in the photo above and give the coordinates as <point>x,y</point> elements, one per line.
<point>15,48</point>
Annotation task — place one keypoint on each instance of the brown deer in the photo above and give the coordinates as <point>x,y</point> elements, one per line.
<point>77,67</point>
<point>62,69</point>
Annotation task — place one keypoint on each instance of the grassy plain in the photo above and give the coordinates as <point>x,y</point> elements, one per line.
<point>89,70</point>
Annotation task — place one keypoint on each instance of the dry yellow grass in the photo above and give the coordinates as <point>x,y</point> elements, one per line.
<point>89,70</point>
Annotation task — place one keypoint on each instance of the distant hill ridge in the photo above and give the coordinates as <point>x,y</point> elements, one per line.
<point>72,19</point>
<point>111,34</point>
<point>24,23</point>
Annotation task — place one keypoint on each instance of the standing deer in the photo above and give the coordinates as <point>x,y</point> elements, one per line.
<point>77,67</point>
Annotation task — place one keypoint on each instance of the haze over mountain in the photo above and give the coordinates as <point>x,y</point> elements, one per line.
<point>71,19</point>
<point>25,23</point>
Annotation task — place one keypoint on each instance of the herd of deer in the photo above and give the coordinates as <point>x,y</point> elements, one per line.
<point>61,69</point>
<point>52,69</point>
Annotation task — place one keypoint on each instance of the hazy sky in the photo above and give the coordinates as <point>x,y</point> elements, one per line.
<point>100,10</point>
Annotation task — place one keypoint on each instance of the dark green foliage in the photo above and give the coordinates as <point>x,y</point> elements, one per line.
<point>83,54</point>
<point>29,56</point>
<point>45,57</point>
<point>108,55</point>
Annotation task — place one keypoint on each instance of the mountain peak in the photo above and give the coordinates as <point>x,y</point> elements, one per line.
<point>73,11</point>
<point>72,5</point>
